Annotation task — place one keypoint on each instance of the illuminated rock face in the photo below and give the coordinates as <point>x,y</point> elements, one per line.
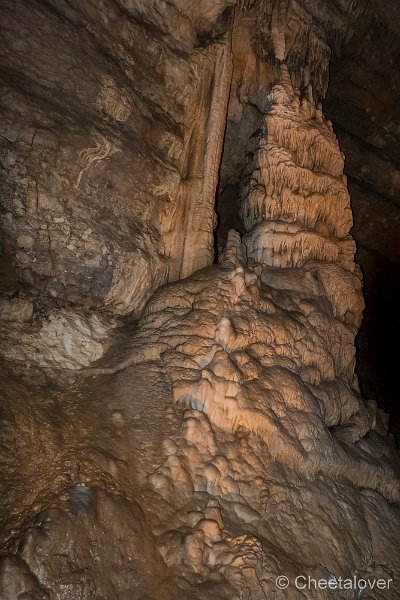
<point>233,423</point>
<point>296,205</point>
<point>222,441</point>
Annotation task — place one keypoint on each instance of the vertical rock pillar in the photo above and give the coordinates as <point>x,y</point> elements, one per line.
<point>296,206</point>
<point>202,181</point>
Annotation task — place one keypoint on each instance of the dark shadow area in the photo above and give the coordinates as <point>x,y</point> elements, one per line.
<point>228,210</point>
<point>240,143</point>
<point>363,104</point>
<point>377,342</point>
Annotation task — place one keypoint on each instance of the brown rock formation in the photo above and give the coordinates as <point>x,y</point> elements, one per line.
<point>174,428</point>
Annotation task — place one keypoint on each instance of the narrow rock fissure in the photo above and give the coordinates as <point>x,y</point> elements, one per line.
<point>236,154</point>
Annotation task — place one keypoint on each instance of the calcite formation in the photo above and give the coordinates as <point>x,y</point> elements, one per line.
<point>297,206</point>
<point>234,422</point>
<point>215,443</point>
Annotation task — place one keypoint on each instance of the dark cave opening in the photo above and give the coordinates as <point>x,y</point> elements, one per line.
<point>379,334</point>
<point>237,152</point>
<point>367,126</point>
<point>228,211</point>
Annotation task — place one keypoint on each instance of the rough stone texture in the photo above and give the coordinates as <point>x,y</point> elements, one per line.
<point>111,136</point>
<point>296,205</point>
<point>220,440</point>
<point>232,420</point>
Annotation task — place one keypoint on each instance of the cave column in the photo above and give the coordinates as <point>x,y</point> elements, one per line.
<point>204,156</point>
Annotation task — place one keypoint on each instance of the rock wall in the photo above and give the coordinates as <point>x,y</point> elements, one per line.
<point>111,136</point>
<point>220,441</point>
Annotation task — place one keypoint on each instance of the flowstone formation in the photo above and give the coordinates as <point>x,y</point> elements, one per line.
<point>214,444</point>
<point>296,205</point>
<point>224,442</point>
<point>230,440</point>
